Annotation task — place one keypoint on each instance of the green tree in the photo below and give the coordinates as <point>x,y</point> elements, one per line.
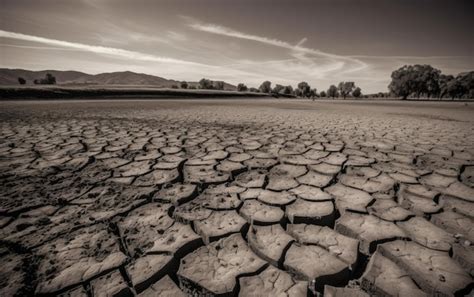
<point>184,85</point>
<point>21,81</point>
<point>416,80</point>
<point>277,89</point>
<point>242,88</point>
<point>332,92</point>
<point>298,92</point>
<point>357,92</point>
<point>288,90</point>
<point>219,85</point>
<point>305,89</point>
<point>322,94</point>
<point>443,85</point>
<point>254,90</point>
<point>466,80</point>
<point>455,89</point>
<point>265,87</point>
<point>205,84</point>
<point>50,79</point>
<point>346,88</point>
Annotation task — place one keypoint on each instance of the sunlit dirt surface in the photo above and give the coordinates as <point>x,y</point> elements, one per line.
<point>236,197</point>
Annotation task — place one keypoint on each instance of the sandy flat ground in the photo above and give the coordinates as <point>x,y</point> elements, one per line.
<point>248,197</point>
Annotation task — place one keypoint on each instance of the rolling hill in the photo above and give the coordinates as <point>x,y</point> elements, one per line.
<point>10,77</point>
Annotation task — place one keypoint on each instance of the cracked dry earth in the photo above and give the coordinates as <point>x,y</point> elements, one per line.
<point>236,198</point>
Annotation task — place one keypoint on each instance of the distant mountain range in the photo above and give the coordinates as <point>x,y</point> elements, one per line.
<point>10,77</point>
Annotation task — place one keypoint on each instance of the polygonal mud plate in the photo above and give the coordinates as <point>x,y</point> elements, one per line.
<point>272,282</point>
<point>219,224</point>
<point>213,269</point>
<point>269,242</point>
<point>389,210</point>
<point>164,287</point>
<point>146,270</point>
<point>276,198</point>
<point>349,198</point>
<point>434,271</point>
<point>77,257</point>
<point>143,226</point>
<point>345,248</point>
<point>311,212</point>
<point>204,174</point>
<point>316,265</point>
<point>368,229</point>
<point>157,177</point>
<point>310,193</point>
<point>251,179</point>
<point>176,193</point>
<point>384,277</point>
<point>258,213</point>
<point>12,275</point>
<point>427,234</point>
<point>111,284</point>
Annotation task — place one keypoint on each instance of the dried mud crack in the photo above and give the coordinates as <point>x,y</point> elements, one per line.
<point>226,200</point>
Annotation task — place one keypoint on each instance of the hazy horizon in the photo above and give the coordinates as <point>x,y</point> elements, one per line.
<point>321,42</point>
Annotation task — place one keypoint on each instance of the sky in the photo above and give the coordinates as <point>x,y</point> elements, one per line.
<point>321,42</point>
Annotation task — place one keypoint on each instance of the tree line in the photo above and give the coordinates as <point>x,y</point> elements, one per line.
<point>426,81</point>
<point>408,81</point>
<point>304,90</point>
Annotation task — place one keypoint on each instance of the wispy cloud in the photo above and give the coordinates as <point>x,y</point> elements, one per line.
<point>114,52</point>
<point>37,47</point>
<point>178,69</point>
<point>342,63</point>
<point>408,57</point>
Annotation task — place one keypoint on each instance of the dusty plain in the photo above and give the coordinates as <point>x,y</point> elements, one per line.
<point>236,197</point>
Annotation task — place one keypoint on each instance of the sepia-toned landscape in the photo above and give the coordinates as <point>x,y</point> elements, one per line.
<point>194,148</point>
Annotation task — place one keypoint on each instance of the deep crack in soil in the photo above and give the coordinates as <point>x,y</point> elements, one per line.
<point>227,198</point>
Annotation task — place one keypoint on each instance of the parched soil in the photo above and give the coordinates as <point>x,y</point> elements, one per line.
<point>236,198</point>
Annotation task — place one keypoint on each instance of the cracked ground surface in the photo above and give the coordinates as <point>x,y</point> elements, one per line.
<point>236,198</point>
